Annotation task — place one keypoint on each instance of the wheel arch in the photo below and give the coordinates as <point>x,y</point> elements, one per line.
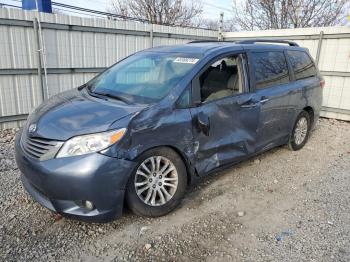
<point>189,167</point>
<point>311,113</point>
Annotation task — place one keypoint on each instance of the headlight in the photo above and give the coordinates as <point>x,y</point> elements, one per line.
<point>81,145</point>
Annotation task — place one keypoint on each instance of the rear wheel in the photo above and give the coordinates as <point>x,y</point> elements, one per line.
<point>158,183</point>
<point>300,133</point>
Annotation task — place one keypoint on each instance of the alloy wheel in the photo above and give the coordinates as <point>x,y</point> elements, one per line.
<point>156,180</point>
<point>300,131</point>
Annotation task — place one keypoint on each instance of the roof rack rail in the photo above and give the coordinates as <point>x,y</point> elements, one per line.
<point>203,41</point>
<point>253,41</point>
<point>211,41</point>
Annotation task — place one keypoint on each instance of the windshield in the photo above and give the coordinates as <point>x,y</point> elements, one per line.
<point>145,77</point>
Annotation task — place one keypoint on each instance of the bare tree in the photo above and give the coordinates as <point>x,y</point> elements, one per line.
<point>165,12</point>
<point>278,14</point>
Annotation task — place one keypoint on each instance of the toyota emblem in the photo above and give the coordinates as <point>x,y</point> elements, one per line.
<point>32,128</point>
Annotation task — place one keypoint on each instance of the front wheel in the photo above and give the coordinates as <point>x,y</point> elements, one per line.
<point>300,133</point>
<point>158,184</point>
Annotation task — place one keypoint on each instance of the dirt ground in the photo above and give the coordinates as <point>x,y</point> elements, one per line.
<point>279,206</point>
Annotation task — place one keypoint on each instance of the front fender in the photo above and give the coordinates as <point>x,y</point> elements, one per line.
<point>154,128</point>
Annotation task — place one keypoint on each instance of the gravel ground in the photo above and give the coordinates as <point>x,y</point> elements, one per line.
<point>279,206</point>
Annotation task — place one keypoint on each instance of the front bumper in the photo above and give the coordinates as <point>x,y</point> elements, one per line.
<point>61,184</point>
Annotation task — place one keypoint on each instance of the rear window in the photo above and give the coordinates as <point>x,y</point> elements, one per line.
<point>271,69</point>
<point>302,64</point>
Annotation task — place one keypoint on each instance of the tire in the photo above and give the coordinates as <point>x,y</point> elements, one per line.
<point>141,204</point>
<point>294,142</point>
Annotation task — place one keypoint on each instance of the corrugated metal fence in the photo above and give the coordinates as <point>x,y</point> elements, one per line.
<point>330,47</point>
<point>76,49</point>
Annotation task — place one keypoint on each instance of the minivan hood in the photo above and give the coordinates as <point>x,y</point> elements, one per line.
<point>75,113</point>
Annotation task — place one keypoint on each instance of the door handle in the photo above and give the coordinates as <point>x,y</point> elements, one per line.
<point>249,105</point>
<point>247,102</point>
<point>264,100</point>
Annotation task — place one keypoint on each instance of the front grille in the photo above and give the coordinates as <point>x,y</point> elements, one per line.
<point>38,147</point>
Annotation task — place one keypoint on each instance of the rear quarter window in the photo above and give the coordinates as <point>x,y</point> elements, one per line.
<point>271,69</point>
<point>302,64</point>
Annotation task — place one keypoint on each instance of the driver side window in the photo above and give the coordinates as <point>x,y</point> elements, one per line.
<point>222,79</point>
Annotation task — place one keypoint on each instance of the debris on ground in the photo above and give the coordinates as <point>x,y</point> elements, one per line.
<point>240,213</point>
<point>302,217</point>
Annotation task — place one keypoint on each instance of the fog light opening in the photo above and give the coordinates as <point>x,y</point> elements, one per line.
<point>88,204</point>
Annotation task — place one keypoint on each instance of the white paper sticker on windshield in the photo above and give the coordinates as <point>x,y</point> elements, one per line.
<point>186,60</point>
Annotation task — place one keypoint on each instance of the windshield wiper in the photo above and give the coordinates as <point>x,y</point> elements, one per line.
<point>120,98</point>
<point>84,86</point>
<point>97,95</point>
<point>105,95</point>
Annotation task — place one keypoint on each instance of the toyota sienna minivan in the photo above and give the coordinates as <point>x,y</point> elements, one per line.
<point>142,130</point>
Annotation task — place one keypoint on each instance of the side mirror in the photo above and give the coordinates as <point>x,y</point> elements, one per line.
<point>203,123</point>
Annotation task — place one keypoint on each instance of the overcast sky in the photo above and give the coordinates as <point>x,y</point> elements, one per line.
<point>211,8</point>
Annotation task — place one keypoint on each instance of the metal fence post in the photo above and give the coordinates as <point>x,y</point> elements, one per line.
<point>319,46</point>
<point>221,25</point>
<point>151,36</point>
<point>38,51</point>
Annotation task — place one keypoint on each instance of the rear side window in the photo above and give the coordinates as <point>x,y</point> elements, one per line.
<point>302,64</point>
<point>271,69</point>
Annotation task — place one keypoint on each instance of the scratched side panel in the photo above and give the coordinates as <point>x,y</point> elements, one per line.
<point>216,148</point>
<point>232,134</point>
<point>153,127</point>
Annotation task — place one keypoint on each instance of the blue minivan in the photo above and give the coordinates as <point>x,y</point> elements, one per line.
<point>145,128</point>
